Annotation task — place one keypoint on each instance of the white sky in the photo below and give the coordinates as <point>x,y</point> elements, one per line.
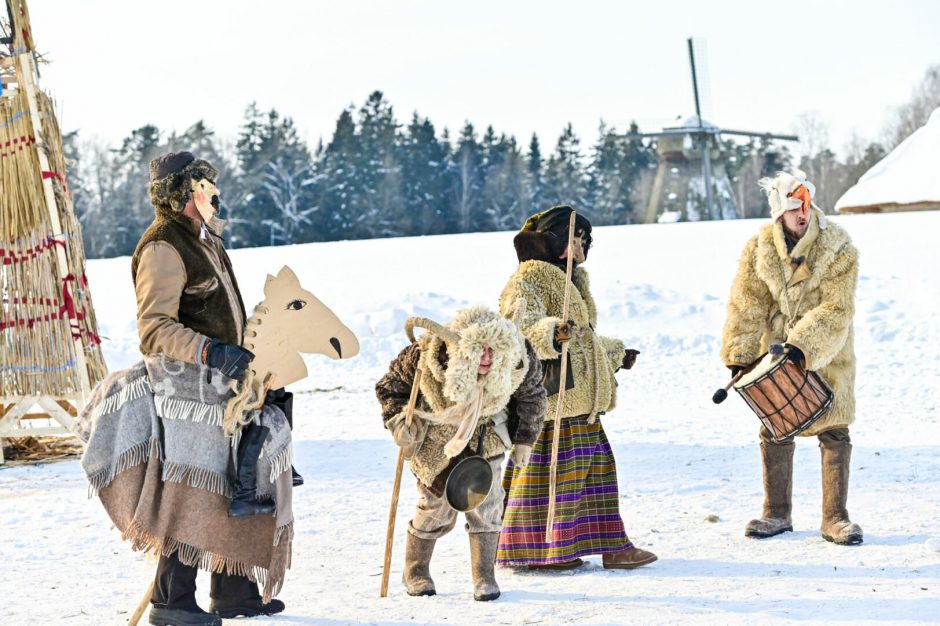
<point>523,67</point>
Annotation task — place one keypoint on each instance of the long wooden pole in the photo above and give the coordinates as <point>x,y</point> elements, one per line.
<point>556,432</point>
<point>396,488</point>
<point>142,605</point>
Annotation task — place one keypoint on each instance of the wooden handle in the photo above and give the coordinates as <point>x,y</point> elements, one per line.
<point>390,531</point>
<point>142,605</point>
<point>396,487</point>
<point>563,373</point>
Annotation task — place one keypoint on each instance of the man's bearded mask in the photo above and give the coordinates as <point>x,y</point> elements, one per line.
<point>205,197</point>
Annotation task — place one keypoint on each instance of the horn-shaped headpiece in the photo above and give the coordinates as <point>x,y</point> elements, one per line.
<point>431,326</point>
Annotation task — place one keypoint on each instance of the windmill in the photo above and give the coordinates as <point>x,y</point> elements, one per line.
<point>691,171</point>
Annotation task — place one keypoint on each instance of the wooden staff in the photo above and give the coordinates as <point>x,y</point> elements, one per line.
<point>556,433</point>
<point>142,605</point>
<point>393,509</point>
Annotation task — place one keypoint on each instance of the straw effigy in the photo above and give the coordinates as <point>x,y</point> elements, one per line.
<point>46,313</point>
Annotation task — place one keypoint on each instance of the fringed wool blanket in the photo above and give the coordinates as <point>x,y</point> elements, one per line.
<point>159,461</point>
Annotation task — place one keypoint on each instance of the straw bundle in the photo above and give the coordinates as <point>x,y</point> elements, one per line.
<point>39,312</point>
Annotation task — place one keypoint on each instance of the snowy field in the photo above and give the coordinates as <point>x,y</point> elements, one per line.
<point>662,288</point>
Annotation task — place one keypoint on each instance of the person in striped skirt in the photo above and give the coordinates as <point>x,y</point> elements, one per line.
<point>587,515</point>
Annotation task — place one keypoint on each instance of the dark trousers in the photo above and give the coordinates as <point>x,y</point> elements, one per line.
<point>175,585</point>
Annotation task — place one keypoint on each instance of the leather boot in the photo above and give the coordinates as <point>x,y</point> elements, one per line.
<point>778,491</point>
<point>836,526</point>
<point>244,503</point>
<point>236,596</point>
<point>628,558</point>
<point>417,572</point>
<point>482,564</point>
<point>174,596</point>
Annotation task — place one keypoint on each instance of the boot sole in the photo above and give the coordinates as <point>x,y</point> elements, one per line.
<point>418,594</point>
<point>486,597</point>
<point>241,611</point>
<point>162,621</point>
<point>754,534</point>
<point>851,540</point>
<point>631,565</point>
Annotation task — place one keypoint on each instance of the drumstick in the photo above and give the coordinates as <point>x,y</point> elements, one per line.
<point>719,396</point>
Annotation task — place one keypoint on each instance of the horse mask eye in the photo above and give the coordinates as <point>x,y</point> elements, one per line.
<point>296,305</point>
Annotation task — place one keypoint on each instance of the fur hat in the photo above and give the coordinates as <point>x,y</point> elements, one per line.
<point>452,383</point>
<point>779,188</point>
<point>171,177</point>
<point>544,235</point>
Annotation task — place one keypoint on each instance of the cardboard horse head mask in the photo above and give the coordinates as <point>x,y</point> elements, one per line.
<point>289,321</point>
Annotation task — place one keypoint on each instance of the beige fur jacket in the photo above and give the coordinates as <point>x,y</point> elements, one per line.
<point>593,358</point>
<point>810,306</point>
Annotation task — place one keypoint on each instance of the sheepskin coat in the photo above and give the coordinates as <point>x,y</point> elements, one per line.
<point>514,384</point>
<point>809,305</point>
<point>593,358</point>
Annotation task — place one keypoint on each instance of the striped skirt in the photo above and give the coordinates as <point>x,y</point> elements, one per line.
<point>587,513</point>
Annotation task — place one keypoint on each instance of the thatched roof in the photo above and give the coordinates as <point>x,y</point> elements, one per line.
<point>907,179</point>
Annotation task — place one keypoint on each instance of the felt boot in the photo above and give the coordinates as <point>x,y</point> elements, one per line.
<point>836,526</point>
<point>417,572</point>
<point>778,492</point>
<point>482,563</point>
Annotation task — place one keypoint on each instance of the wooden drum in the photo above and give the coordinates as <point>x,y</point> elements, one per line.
<point>786,398</point>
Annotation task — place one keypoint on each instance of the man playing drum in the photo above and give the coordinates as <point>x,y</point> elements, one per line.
<point>795,286</point>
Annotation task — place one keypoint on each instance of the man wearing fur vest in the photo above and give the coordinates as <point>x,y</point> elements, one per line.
<point>479,378</point>
<point>189,308</point>
<point>587,518</point>
<point>795,286</point>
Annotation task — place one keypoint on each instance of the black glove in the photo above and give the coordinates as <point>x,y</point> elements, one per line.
<point>629,358</point>
<point>229,359</point>
<point>793,353</point>
<point>735,369</point>
<point>563,331</point>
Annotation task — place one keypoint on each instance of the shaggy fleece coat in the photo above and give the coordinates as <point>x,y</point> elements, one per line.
<point>594,358</point>
<point>810,306</point>
<point>450,373</point>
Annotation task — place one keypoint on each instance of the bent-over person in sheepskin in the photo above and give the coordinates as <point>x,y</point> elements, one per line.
<point>795,286</point>
<point>482,378</point>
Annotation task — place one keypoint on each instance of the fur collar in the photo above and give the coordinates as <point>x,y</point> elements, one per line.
<point>445,385</point>
<point>818,248</point>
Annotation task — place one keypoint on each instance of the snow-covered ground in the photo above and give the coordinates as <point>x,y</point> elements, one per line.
<point>662,288</point>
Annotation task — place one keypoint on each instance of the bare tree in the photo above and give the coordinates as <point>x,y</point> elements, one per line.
<point>813,131</point>
<point>912,115</point>
<point>285,184</point>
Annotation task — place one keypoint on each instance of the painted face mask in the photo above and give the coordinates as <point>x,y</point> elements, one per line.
<point>205,197</point>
